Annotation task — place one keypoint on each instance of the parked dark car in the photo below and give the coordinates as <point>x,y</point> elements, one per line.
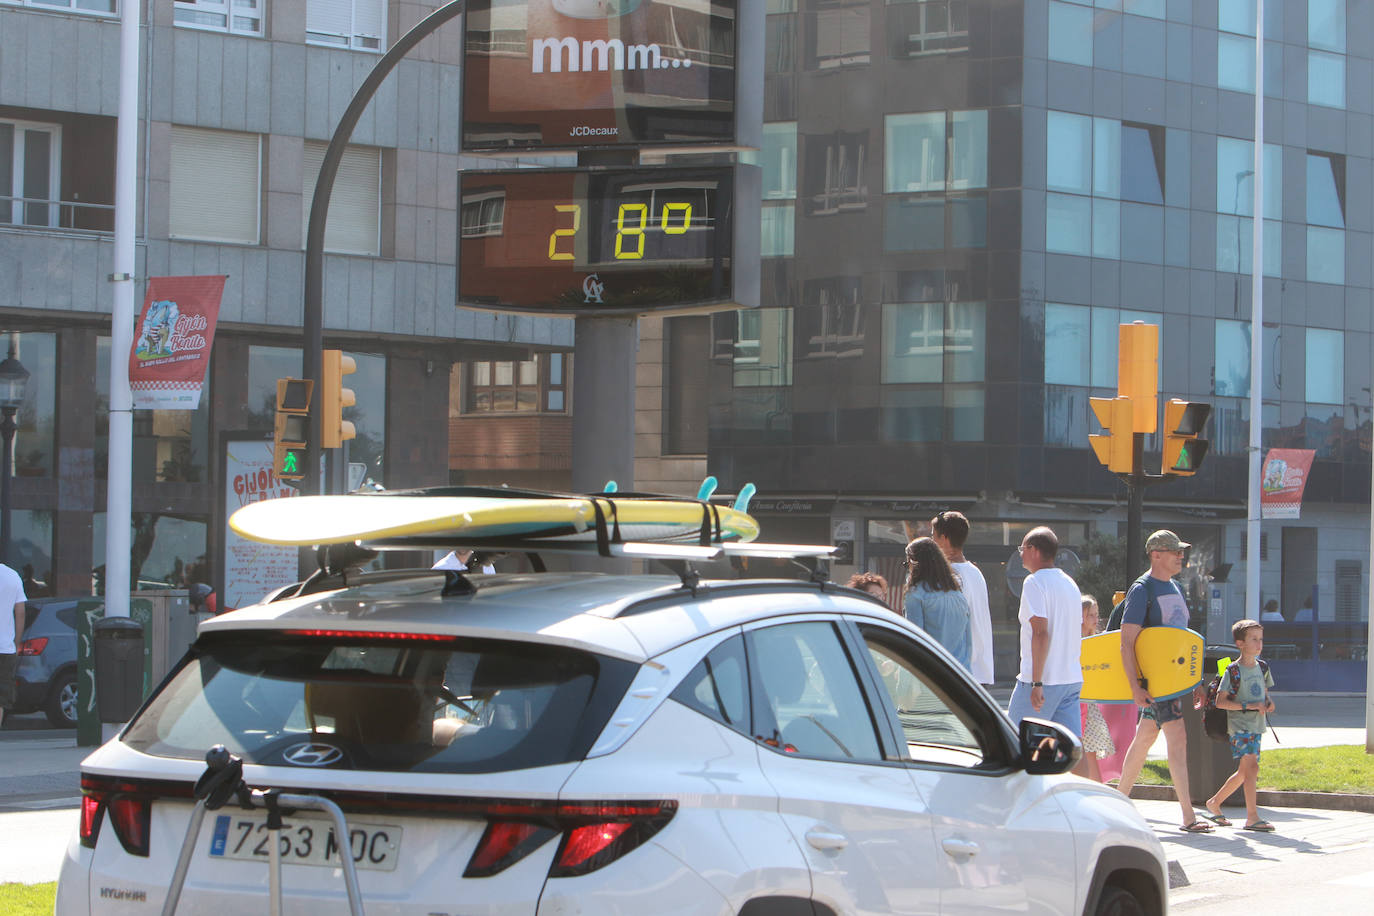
<point>46,678</point>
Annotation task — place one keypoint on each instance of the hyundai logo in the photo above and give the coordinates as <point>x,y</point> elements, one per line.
<point>307,754</point>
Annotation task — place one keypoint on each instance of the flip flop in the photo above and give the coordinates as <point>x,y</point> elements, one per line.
<point>1261,826</point>
<point>1199,827</point>
<point>1219,819</point>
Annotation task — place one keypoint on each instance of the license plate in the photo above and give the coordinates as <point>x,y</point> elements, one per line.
<point>305,841</point>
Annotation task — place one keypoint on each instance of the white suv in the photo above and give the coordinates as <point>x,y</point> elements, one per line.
<point>583,743</point>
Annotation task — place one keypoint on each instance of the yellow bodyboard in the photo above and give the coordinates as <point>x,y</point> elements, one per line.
<point>1169,658</point>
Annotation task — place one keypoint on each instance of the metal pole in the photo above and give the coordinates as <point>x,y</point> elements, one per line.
<point>1252,552</point>
<point>1135,492</point>
<point>7,428</point>
<point>119,475</point>
<point>312,319</point>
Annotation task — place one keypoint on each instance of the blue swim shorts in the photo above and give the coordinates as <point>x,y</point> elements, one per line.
<point>1243,743</point>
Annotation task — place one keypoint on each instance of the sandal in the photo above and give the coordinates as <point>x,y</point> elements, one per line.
<point>1219,819</point>
<point>1261,826</point>
<point>1199,827</point>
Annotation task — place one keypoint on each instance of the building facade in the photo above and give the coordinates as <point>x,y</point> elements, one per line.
<point>964,198</point>
<point>238,101</point>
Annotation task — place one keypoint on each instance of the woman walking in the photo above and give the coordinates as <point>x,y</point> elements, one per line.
<point>934,601</point>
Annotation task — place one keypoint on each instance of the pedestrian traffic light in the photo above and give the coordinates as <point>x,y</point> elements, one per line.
<point>1115,444</point>
<point>1183,450</point>
<point>334,397</point>
<point>291,434</point>
<point>1137,372</point>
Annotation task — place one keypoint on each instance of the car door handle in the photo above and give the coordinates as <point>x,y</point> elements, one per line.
<point>823,837</point>
<point>960,849</point>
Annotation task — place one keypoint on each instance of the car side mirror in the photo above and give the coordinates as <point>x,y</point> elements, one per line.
<point>1048,747</point>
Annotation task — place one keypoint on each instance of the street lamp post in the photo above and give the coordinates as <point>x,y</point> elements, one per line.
<point>14,378</point>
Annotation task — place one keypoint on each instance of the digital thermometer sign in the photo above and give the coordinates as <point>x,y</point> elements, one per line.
<point>609,241</point>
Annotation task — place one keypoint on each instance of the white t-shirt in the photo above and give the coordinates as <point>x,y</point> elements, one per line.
<point>975,589</point>
<point>1051,594</point>
<point>11,593</point>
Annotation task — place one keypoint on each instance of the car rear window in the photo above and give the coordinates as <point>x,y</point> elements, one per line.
<point>425,705</point>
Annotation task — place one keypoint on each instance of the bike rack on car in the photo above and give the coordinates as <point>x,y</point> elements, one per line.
<point>222,782</point>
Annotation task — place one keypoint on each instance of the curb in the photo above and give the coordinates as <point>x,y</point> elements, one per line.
<point>1329,801</point>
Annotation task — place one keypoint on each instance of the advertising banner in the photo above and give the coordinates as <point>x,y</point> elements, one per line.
<point>577,73</point>
<point>172,341</point>
<point>251,570</point>
<point>1282,481</point>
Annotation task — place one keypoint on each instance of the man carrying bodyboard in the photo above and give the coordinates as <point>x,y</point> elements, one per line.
<point>1154,600</point>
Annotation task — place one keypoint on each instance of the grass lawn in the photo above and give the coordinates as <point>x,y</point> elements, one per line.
<point>27,899</point>
<point>1343,768</point>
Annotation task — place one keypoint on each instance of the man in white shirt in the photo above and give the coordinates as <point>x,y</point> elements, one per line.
<point>12,600</point>
<point>1051,618</point>
<point>950,530</point>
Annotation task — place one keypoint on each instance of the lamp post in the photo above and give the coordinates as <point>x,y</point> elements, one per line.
<point>14,378</point>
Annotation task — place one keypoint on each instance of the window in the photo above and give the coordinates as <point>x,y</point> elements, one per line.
<point>30,173</point>
<point>1110,161</point>
<point>1080,355</point>
<point>1325,218</point>
<point>1233,361</point>
<point>1236,203</point>
<point>831,319</point>
<point>241,17</point>
<point>763,348</point>
<point>354,223</point>
<point>36,418</point>
<point>778,158</point>
<point>214,185</point>
<point>926,156</point>
<point>165,549</point>
<point>1142,163</point>
<point>921,29</point>
<point>932,721</point>
<point>1236,45</point>
<point>942,346</point>
<point>358,24</point>
<point>533,385</point>
<point>1071,33</point>
<point>368,415</point>
<point>98,7</point>
<point>1326,79</point>
<point>1325,366</point>
<point>840,36</point>
<point>808,700</point>
<point>1326,24</point>
<point>718,687</point>
<point>835,179</point>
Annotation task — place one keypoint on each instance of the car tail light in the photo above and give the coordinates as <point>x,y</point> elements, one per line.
<point>503,844</point>
<point>129,804</point>
<point>33,646</point>
<point>594,834</point>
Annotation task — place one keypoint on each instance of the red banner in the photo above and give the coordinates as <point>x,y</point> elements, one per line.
<point>172,341</point>
<point>1282,481</point>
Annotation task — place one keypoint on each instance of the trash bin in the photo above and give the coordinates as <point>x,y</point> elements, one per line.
<point>1209,761</point>
<point>117,647</point>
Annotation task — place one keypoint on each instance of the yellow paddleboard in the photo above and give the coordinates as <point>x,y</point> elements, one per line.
<point>313,520</point>
<point>1169,658</point>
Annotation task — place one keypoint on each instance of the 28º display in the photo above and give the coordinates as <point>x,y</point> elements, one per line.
<point>583,241</point>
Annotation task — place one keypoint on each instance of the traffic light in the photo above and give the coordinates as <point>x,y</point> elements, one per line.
<point>291,434</point>
<point>1137,372</point>
<point>1114,445</point>
<point>1183,450</point>
<point>334,397</point>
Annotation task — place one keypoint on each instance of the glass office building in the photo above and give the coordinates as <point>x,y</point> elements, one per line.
<point>962,201</point>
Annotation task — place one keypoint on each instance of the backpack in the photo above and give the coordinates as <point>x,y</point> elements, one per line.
<point>1214,720</point>
<point>1152,607</point>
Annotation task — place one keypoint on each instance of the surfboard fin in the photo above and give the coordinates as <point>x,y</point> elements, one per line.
<point>746,493</point>
<point>611,487</point>
<point>707,489</point>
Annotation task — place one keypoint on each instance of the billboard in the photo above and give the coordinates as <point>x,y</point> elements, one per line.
<point>569,74</point>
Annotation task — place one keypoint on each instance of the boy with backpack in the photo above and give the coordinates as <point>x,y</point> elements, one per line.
<point>1247,702</point>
